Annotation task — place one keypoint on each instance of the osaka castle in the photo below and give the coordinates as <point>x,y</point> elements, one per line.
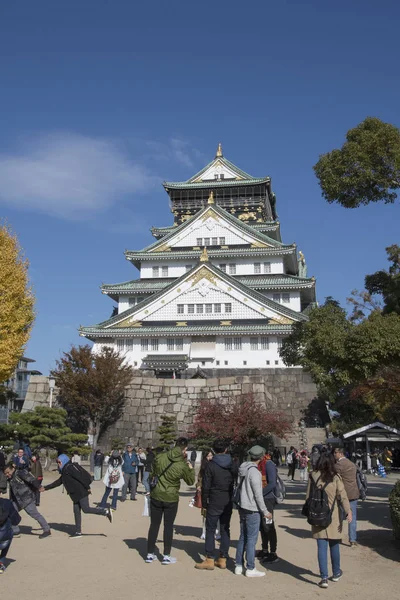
<point>218,289</point>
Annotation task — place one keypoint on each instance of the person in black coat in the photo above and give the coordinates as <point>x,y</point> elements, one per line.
<point>77,484</point>
<point>220,473</point>
<point>9,518</point>
<point>23,488</point>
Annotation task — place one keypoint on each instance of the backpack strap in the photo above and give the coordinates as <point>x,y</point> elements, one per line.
<point>165,470</point>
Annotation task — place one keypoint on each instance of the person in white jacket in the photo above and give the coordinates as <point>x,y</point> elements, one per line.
<point>251,510</point>
<point>113,480</point>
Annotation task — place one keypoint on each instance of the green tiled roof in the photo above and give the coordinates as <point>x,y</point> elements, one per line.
<point>162,231</point>
<point>224,276</point>
<point>142,255</point>
<point>177,361</point>
<point>162,330</point>
<point>224,161</point>
<point>214,183</point>
<point>252,281</point>
<point>224,215</point>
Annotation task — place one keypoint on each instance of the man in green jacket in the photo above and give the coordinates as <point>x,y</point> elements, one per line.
<point>168,469</point>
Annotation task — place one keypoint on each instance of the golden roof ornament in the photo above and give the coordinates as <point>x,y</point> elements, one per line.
<point>204,255</point>
<point>211,198</point>
<point>219,151</point>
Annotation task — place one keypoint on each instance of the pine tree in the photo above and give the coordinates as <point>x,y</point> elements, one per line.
<point>16,303</point>
<point>167,432</point>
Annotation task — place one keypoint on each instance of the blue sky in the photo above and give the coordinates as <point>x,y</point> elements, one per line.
<point>101,101</point>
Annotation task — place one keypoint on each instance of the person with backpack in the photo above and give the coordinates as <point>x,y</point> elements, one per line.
<point>348,472</point>
<point>130,468</point>
<point>113,480</point>
<point>76,481</point>
<point>326,498</point>
<point>23,488</point>
<point>252,509</point>
<point>218,480</point>
<point>169,468</point>
<point>9,519</point>
<point>269,539</point>
<point>303,462</point>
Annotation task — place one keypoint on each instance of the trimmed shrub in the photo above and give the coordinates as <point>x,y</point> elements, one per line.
<point>394,502</point>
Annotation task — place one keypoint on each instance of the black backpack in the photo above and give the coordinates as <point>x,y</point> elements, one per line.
<point>193,455</point>
<point>80,474</point>
<point>316,507</point>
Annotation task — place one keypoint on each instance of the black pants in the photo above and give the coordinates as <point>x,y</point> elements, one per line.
<point>83,505</point>
<point>269,540</point>
<point>223,514</point>
<point>159,509</point>
<point>292,470</point>
<point>141,470</point>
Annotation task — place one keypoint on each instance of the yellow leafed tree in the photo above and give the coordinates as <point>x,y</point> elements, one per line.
<point>16,302</point>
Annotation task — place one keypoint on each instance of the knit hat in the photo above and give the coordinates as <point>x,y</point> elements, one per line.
<point>256,452</point>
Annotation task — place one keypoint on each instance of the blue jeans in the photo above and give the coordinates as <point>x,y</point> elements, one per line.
<point>146,483</point>
<point>334,546</point>
<point>114,498</point>
<point>353,524</point>
<point>249,528</point>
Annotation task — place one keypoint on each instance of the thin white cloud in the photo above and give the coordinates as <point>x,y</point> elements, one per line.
<point>70,176</point>
<point>174,150</point>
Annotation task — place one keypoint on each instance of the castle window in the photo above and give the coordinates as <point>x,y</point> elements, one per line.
<point>254,343</point>
<point>276,297</point>
<point>190,309</point>
<point>214,241</point>
<point>206,241</point>
<point>164,271</point>
<point>257,268</point>
<point>199,242</point>
<point>208,308</point>
<point>144,345</point>
<point>199,309</point>
<point>286,298</point>
<point>128,345</point>
<point>264,343</point>
<point>217,308</point>
<point>237,343</point>
<point>228,344</point>
<point>154,344</point>
<point>156,271</point>
<point>232,269</point>
<point>222,241</point>
<point>267,267</point>
<point>228,307</point>
<point>223,268</point>
<point>181,309</point>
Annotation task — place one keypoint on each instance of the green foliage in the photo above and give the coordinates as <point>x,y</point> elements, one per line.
<point>44,427</point>
<point>167,431</point>
<point>6,395</point>
<point>387,283</point>
<point>367,167</point>
<point>117,443</point>
<point>394,502</point>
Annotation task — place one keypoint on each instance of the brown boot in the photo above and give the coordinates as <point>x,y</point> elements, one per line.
<point>221,562</point>
<point>206,565</point>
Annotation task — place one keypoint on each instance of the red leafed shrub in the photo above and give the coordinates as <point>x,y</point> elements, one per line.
<point>241,420</point>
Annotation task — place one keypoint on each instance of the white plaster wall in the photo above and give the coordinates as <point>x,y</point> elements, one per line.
<point>295,302</point>
<point>244,266</point>
<point>234,358</point>
<point>211,229</point>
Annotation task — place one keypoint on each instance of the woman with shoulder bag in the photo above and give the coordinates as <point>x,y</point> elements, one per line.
<point>113,480</point>
<point>326,499</point>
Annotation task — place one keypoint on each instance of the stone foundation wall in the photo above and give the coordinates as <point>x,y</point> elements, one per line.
<point>288,390</point>
<point>147,398</point>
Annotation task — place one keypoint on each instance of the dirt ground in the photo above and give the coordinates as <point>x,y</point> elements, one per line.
<point>107,562</point>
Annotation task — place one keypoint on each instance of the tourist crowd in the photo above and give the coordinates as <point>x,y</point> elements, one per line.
<point>224,483</point>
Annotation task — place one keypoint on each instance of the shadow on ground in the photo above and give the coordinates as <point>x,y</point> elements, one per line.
<point>70,530</point>
<point>381,542</point>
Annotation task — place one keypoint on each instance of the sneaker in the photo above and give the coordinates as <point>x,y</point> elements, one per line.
<point>338,576</point>
<point>2,568</point>
<point>109,514</point>
<point>203,536</point>
<point>168,560</point>
<point>323,583</point>
<point>150,558</point>
<point>75,535</point>
<point>238,570</point>
<point>217,536</point>
<point>254,573</point>
<point>353,544</point>
<point>270,558</point>
<point>45,534</point>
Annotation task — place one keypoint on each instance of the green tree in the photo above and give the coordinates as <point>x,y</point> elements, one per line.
<point>167,431</point>
<point>44,427</point>
<point>92,386</point>
<point>16,303</point>
<point>365,169</point>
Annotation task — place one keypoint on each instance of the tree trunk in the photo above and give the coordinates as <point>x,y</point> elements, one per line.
<point>93,435</point>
